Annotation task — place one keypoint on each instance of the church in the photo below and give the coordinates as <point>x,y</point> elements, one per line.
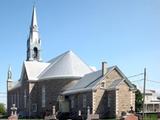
<point>67,83</point>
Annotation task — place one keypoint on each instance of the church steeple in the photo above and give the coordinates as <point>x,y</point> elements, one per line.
<point>34,42</point>
<point>9,79</point>
<point>9,75</point>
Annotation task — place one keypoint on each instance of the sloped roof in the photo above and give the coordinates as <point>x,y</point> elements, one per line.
<point>34,68</point>
<point>66,65</point>
<point>90,81</point>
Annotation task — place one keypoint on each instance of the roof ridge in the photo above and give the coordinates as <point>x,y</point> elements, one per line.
<point>58,58</point>
<point>71,64</point>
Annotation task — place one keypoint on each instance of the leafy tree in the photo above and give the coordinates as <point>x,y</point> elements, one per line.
<point>2,108</point>
<point>139,101</point>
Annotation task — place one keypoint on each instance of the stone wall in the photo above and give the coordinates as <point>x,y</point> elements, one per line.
<point>16,96</point>
<point>125,99</point>
<point>79,103</point>
<point>104,103</point>
<point>53,89</point>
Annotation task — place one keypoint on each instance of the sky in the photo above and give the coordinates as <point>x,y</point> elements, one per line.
<point>125,33</point>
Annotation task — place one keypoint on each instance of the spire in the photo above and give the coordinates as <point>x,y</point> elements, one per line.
<point>9,79</point>
<point>34,42</point>
<point>34,25</point>
<point>9,76</point>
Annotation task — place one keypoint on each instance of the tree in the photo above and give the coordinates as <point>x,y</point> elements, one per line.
<point>139,101</point>
<point>2,108</point>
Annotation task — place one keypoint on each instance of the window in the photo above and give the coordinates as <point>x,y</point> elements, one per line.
<point>35,55</point>
<point>102,84</point>
<point>17,99</point>
<point>72,102</point>
<point>15,102</point>
<point>39,41</point>
<point>25,98</point>
<point>34,107</point>
<point>43,96</point>
<point>84,101</point>
<point>109,101</point>
<point>61,98</point>
<point>12,101</point>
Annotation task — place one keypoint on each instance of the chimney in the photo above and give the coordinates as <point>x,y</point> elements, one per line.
<point>104,68</point>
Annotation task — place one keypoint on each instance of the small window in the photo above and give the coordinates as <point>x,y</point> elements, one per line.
<point>72,102</point>
<point>102,84</point>
<point>34,107</point>
<point>39,41</point>
<point>109,101</point>
<point>35,55</point>
<point>61,98</point>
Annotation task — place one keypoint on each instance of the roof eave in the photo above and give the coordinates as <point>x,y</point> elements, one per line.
<point>60,77</point>
<point>76,91</point>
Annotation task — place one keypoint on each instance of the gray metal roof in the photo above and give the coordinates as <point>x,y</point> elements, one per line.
<point>91,80</point>
<point>34,69</point>
<point>88,81</point>
<point>66,65</point>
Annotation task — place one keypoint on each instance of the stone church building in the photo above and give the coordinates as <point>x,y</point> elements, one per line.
<point>67,83</point>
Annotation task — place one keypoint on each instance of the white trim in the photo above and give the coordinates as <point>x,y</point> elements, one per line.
<point>131,97</point>
<point>93,102</point>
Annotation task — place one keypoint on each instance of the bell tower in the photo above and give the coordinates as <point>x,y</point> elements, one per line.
<point>34,42</point>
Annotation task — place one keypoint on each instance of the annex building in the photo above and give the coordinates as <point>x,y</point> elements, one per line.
<point>68,83</point>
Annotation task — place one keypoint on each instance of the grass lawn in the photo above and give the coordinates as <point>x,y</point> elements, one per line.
<point>151,117</point>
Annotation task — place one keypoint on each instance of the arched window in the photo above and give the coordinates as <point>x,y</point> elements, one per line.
<point>35,52</point>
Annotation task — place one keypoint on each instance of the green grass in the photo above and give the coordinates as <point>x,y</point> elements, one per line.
<point>151,117</point>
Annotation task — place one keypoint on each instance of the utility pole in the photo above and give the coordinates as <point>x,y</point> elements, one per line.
<point>144,91</point>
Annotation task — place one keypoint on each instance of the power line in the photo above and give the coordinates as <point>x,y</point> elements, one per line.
<point>137,80</point>
<point>153,81</point>
<point>136,75</point>
<point>146,80</point>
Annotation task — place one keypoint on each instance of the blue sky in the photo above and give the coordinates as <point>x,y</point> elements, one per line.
<point>122,32</point>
